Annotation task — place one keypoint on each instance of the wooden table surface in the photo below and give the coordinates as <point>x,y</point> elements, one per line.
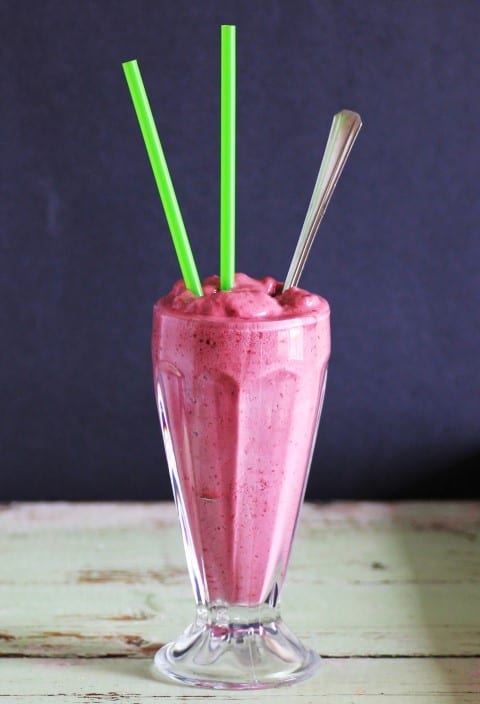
<point>389,596</point>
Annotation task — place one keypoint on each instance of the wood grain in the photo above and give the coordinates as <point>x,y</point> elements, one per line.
<point>342,681</point>
<point>389,593</point>
<point>103,579</point>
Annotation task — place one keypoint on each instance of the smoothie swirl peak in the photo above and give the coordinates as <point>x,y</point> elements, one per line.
<point>248,299</point>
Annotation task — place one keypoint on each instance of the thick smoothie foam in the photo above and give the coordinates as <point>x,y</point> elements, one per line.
<point>249,298</point>
<point>239,377</point>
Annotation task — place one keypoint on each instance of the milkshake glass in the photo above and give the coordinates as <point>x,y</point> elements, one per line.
<point>239,391</point>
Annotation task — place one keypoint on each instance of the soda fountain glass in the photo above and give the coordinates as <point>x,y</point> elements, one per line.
<point>239,403</point>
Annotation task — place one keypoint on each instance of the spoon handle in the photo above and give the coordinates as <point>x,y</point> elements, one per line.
<point>343,132</point>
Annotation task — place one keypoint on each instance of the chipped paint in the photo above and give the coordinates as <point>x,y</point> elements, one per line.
<point>130,576</point>
<point>110,580</point>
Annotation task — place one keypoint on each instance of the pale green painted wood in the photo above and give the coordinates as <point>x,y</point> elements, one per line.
<point>96,580</point>
<point>342,681</point>
<point>372,579</point>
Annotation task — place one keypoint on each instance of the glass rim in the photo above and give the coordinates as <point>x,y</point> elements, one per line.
<point>300,318</point>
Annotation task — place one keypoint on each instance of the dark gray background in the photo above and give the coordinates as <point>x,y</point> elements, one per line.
<point>85,250</point>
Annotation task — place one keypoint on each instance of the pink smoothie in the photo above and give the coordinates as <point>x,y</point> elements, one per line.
<point>239,378</point>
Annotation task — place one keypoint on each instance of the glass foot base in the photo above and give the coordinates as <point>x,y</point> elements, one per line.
<point>237,647</point>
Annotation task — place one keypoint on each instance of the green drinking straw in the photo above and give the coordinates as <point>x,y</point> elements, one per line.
<point>162,177</point>
<point>227,158</point>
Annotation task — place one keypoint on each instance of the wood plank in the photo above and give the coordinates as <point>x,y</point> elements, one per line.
<point>372,579</point>
<point>339,681</point>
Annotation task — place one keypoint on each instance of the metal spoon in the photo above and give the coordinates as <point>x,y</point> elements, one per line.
<point>343,132</point>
